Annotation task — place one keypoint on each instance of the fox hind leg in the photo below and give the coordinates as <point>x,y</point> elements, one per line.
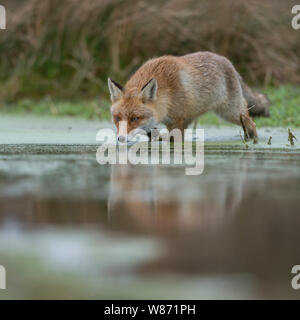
<point>249,127</point>
<point>240,116</point>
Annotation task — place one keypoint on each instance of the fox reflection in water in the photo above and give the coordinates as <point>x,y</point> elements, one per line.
<point>238,217</point>
<point>157,197</point>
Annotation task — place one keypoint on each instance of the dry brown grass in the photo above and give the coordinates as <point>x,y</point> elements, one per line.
<point>69,47</point>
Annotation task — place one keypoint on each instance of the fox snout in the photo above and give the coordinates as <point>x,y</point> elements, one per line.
<point>126,130</point>
<point>122,139</point>
<point>132,110</point>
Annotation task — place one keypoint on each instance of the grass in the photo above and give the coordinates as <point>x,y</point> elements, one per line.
<point>285,109</point>
<point>88,109</point>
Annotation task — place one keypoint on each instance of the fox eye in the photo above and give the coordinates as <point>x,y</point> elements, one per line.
<point>117,118</point>
<point>134,119</point>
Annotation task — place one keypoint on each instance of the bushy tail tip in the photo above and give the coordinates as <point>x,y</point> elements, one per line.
<point>261,105</point>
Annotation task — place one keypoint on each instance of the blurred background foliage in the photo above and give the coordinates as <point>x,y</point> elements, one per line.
<point>66,49</point>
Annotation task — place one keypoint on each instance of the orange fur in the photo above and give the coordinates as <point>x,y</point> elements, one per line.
<point>176,90</point>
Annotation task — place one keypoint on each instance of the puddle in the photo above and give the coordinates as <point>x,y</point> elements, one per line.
<point>70,228</point>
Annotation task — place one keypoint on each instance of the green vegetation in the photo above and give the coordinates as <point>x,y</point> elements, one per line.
<point>69,53</point>
<point>285,109</point>
<point>92,109</point>
<point>50,65</point>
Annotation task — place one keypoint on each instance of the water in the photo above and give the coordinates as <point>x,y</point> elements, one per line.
<point>70,228</point>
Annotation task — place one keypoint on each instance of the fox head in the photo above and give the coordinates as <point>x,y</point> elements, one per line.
<point>133,106</point>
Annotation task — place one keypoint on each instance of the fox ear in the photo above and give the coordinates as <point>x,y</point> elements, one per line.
<point>116,90</point>
<point>149,91</point>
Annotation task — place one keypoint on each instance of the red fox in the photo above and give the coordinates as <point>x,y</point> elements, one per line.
<point>176,90</point>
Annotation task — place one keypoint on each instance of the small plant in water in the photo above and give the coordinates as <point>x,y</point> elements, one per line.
<point>270,140</point>
<point>291,137</point>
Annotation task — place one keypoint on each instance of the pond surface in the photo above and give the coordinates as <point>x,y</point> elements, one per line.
<point>71,228</point>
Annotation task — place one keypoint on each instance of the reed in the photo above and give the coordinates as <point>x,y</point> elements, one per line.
<point>68,48</point>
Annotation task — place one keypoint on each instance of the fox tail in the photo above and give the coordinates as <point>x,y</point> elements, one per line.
<point>258,103</point>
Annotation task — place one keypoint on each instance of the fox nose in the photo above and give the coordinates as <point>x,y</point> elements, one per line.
<point>121,138</point>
